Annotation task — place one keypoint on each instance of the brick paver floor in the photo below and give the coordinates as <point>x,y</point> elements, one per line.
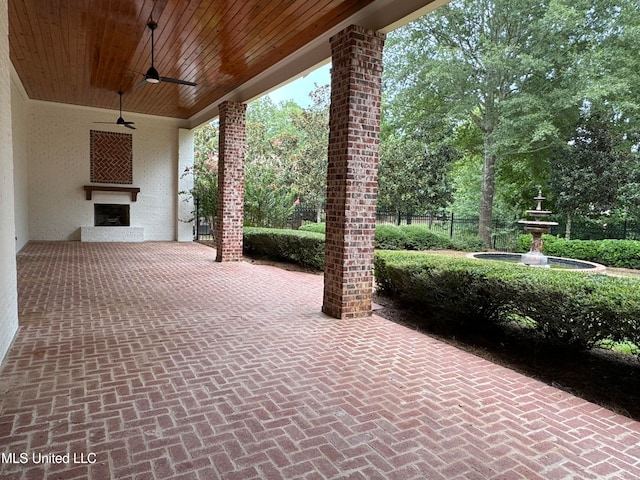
<point>140,361</point>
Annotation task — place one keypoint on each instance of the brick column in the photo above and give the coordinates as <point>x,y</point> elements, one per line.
<point>230,182</point>
<point>352,176</point>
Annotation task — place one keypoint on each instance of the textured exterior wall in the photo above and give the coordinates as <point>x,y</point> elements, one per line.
<point>184,229</point>
<point>8,278</point>
<point>356,78</point>
<point>20,141</point>
<point>59,166</point>
<point>112,234</point>
<point>231,182</point>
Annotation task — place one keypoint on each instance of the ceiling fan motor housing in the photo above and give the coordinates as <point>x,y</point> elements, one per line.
<point>152,75</point>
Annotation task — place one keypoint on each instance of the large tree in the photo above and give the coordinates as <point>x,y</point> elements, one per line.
<point>590,169</point>
<point>520,70</point>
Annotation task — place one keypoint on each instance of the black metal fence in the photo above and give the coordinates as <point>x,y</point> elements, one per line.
<point>202,231</point>
<point>625,230</point>
<point>504,233</point>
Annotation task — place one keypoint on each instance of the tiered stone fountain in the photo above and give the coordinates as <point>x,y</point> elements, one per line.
<point>535,258</point>
<point>536,227</point>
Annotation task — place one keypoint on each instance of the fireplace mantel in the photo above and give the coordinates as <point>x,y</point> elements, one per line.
<point>107,188</point>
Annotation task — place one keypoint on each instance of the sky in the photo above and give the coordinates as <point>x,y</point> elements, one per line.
<point>299,89</point>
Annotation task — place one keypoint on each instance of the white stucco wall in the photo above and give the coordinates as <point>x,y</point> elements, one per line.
<point>20,160</point>
<point>8,282</point>
<point>185,184</point>
<point>58,152</point>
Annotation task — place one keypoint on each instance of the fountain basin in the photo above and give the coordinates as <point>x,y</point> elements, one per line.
<point>538,223</point>
<point>553,262</point>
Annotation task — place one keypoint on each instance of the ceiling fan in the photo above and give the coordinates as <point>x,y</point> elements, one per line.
<point>152,75</point>
<point>121,121</point>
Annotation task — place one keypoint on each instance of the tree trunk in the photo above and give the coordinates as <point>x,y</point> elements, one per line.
<point>487,125</point>
<point>567,231</point>
<point>319,214</point>
<point>487,192</point>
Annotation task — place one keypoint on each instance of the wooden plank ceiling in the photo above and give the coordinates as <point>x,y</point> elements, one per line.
<point>83,52</point>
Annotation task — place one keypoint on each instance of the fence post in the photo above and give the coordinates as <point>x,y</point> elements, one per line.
<point>197,219</point>
<point>451,228</point>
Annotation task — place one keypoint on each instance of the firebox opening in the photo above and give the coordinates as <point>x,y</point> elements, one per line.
<point>111,215</point>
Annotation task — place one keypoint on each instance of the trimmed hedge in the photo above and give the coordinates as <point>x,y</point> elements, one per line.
<point>409,237</point>
<point>303,248</point>
<point>306,245</point>
<point>612,253</point>
<point>567,308</point>
<point>313,227</point>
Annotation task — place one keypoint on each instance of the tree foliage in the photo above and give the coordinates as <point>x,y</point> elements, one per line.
<point>413,175</point>
<point>268,198</point>
<point>285,160</point>
<point>205,171</point>
<point>483,101</point>
<point>590,169</point>
<point>308,167</point>
<point>520,71</point>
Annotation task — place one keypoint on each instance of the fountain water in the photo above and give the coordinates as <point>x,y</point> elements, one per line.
<point>536,227</point>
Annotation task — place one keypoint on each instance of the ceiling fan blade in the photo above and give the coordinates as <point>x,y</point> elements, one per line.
<point>178,81</point>
<point>121,121</point>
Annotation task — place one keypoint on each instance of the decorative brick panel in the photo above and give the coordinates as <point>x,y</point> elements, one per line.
<point>352,183</point>
<point>111,157</point>
<point>230,182</point>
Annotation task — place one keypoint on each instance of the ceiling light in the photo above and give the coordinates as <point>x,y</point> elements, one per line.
<point>152,75</point>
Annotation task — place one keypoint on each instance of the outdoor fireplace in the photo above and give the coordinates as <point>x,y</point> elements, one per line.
<point>111,215</point>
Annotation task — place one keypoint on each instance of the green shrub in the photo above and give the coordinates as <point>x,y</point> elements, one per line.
<point>420,237</point>
<point>467,244</point>
<point>410,237</point>
<point>612,253</point>
<point>415,237</point>
<point>303,248</point>
<point>571,309</point>
<point>619,253</point>
<point>390,237</point>
<point>313,227</point>
<point>524,243</point>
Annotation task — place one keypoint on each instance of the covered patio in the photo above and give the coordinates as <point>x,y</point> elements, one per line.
<point>161,358</point>
<point>72,71</point>
<point>151,360</point>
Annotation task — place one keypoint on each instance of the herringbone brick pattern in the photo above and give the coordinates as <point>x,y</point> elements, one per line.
<point>111,157</point>
<point>154,361</point>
